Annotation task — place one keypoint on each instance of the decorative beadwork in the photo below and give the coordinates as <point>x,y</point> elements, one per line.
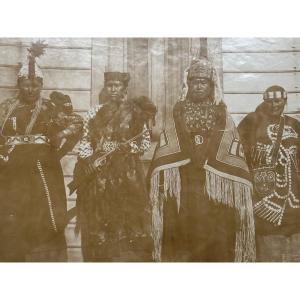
<point>109,146</point>
<point>145,143</point>
<point>85,148</point>
<point>286,160</point>
<point>288,132</point>
<point>6,156</point>
<point>199,116</point>
<point>39,166</point>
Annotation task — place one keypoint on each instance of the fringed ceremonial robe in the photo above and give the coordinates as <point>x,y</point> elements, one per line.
<point>200,189</point>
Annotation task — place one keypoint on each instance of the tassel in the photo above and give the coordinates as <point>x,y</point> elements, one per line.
<point>236,195</point>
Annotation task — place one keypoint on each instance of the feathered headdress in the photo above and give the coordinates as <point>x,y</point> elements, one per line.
<point>31,70</point>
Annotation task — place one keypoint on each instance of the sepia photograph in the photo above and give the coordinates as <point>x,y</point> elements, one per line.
<point>149,149</point>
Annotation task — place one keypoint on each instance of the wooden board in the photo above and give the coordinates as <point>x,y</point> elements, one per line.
<point>258,83</point>
<point>137,61</point>
<point>67,79</point>
<point>248,102</point>
<point>158,80</point>
<point>117,55</point>
<point>53,58</point>
<point>237,118</point>
<point>52,42</point>
<point>65,58</point>
<point>8,77</point>
<point>174,77</point>
<point>260,44</point>
<point>99,66</point>
<point>53,79</point>
<point>6,93</point>
<point>261,62</point>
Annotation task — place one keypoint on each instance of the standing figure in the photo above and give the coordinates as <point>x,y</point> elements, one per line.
<point>271,143</point>
<point>32,191</point>
<point>200,186</point>
<point>112,201</point>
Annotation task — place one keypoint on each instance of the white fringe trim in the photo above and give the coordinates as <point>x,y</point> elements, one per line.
<point>222,190</point>
<point>172,185</point>
<point>237,195</point>
<point>171,188</point>
<point>157,216</point>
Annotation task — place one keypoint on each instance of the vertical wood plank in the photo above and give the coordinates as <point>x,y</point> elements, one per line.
<point>157,79</point>
<point>174,77</point>
<point>214,53</point>
<point>203,47</point>
<point>116,54</point>
<point>194,47</point>
<point>99,65</point>
<point>137,49</point>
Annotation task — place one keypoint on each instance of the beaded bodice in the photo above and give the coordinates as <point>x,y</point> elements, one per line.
<point>199,117</point>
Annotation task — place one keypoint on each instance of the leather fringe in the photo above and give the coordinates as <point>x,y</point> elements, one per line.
<point>171,188</point>
<point>221,190</point>
<point>239,196</point>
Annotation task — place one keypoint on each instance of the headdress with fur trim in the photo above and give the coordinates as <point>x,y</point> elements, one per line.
<point>202,67</point>
<point>123,77</point>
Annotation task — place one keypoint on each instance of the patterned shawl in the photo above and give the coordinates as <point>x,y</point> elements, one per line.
<point>227,180</point>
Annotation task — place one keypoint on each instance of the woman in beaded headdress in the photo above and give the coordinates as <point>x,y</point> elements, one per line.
<point>32,191</point>
<point>271,143</point>
<point>113,205</point>
<point>200,186</point>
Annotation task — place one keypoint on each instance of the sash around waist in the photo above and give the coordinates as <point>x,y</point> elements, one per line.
<point>27,140</point>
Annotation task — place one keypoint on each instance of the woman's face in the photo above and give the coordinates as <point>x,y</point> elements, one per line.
<point>199,89</point>
<point>115,89</point>
<point>275,107</point>
<point>30,89</point>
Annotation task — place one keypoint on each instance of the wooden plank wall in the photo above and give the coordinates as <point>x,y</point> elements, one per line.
<point>76,67</point>
<point>250,65</point>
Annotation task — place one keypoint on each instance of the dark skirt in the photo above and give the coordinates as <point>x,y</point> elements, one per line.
<point>114,213</point>
<point>32,202</point>
<point>202,231</point>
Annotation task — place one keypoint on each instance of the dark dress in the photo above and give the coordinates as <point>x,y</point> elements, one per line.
<point>258,133</point>
<point>32,191</point>
<point>201,230</point>
<point>114,209</point>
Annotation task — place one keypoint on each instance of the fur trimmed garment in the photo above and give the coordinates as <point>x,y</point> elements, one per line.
<point>114,207</point>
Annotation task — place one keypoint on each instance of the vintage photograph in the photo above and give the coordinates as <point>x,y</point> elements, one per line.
<point>149,149</point>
